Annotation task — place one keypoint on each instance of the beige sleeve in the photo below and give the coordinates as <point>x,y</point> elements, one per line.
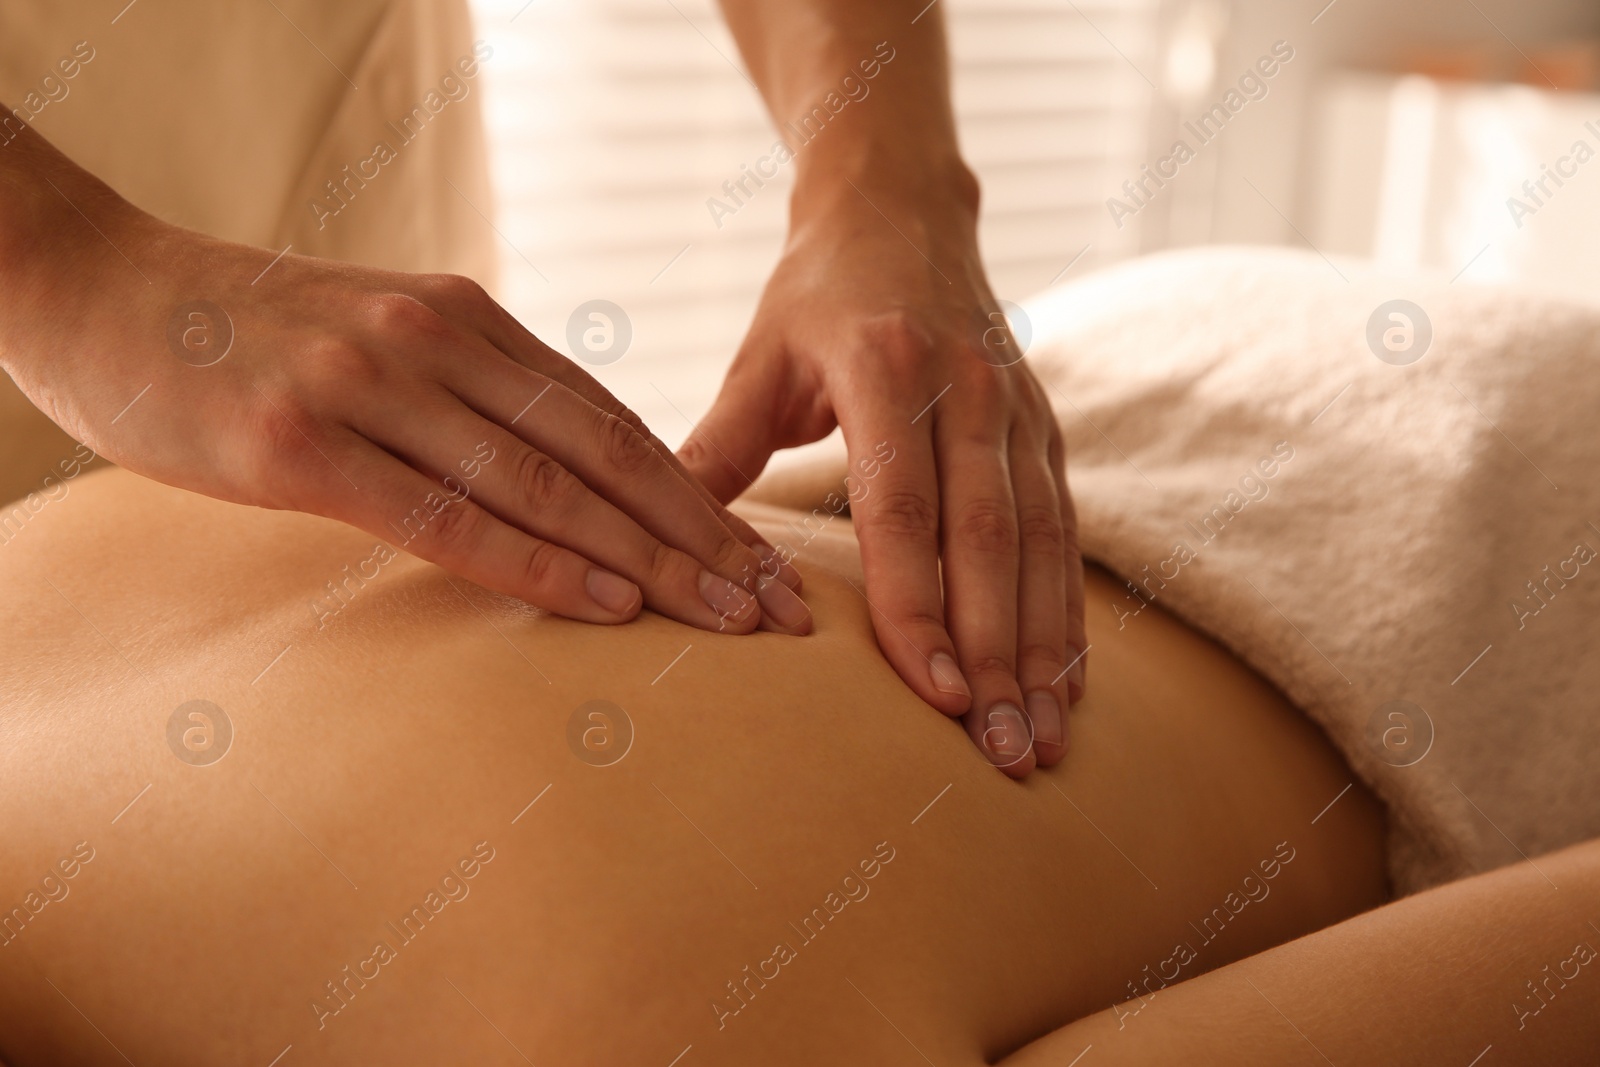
<point>233,119</point>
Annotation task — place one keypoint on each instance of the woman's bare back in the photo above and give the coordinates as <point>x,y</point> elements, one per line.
<point>446,828</point>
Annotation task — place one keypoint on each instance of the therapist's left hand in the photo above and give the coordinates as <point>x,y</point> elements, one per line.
<point>878,319</point>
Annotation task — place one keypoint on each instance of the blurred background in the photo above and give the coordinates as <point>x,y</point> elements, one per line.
<point>1423,134</point>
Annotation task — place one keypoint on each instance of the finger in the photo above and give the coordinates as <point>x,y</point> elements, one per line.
<point>465,301</point>
<point>1004,735</point>
<point>729,447</point>
<point>978,514</point>
<point>1042,657</point>
<point>533,491</point>
<point>1077,627</point>
<point>415,512</point>
<point>621,464</point>
<point>896,516</point>
<point>611,458</point>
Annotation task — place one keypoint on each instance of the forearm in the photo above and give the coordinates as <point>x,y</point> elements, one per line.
<point>50,210</point>
<point>29,166</point>
<point>1503,959</point>
<point>860,93</point>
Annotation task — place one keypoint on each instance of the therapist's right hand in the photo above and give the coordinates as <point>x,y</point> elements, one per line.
<point>411,406</point>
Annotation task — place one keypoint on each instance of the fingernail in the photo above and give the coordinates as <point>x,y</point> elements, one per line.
<point>946,676</point>
<point>612,591</point>
<point>726,599</point>
<point>780,604</point>
<point>773,565</point>
<point>1045,712</point>
<point>1007,735</point>
<point>1075,674</point>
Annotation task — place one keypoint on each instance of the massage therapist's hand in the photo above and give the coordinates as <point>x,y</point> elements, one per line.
<point>875,319</point>
<point>878,319</point>
<point>411,406</point>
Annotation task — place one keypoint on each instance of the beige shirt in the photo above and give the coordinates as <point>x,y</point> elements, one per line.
<point>234,116</point>
<point>230,117</point>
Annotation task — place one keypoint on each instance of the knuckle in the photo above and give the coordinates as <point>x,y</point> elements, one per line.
<point>394,314</point>
<point>1041,530</point>
<point>990,664</point>
<point>897,335</point>
<point>988,527</point>
<point>732,556</point>
<point>905,514</point>
<point>663,565</point>
<point>541,570</point>
<point>634,422</point>
<point>540,480</point>
<point>283,443</point>
<point>626,449</point>
<point>282,414</point>
<point>455,529</point>
<point>1042,656</point>
<point>984,389</point>
<point>342,365</point>
<point>694,453</point>
<point>921,617</point>
<point>457,289</point>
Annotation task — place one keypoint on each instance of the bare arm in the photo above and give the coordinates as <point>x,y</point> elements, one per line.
<point>1505,962</point>
<point>400,403</point>
<point>798,53</point>
<point>879,319</point>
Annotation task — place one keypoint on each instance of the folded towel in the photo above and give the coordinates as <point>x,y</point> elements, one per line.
<point>1381,492</point>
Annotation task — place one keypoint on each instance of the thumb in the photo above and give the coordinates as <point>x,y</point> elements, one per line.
<point>730,446</point>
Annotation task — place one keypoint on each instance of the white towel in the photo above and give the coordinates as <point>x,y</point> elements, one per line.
<point>1420,528</point>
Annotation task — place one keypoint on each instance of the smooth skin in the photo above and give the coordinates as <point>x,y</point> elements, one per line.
<point>879,317</point>
<point>375,746</point>
<point>354,393</point>
<point>1495,969</point>
<point>384,745</point>
<point>361,395</point>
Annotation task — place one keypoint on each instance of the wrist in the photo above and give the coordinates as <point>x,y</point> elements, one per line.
<point>60,230</point>
<point>934,189</point>
<point>45,197</point>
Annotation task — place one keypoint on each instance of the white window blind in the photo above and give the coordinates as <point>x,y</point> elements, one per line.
<point>612,122</point>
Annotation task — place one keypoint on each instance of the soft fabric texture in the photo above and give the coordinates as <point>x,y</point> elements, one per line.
<point>1407,511</point>
<point>231,118</point>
